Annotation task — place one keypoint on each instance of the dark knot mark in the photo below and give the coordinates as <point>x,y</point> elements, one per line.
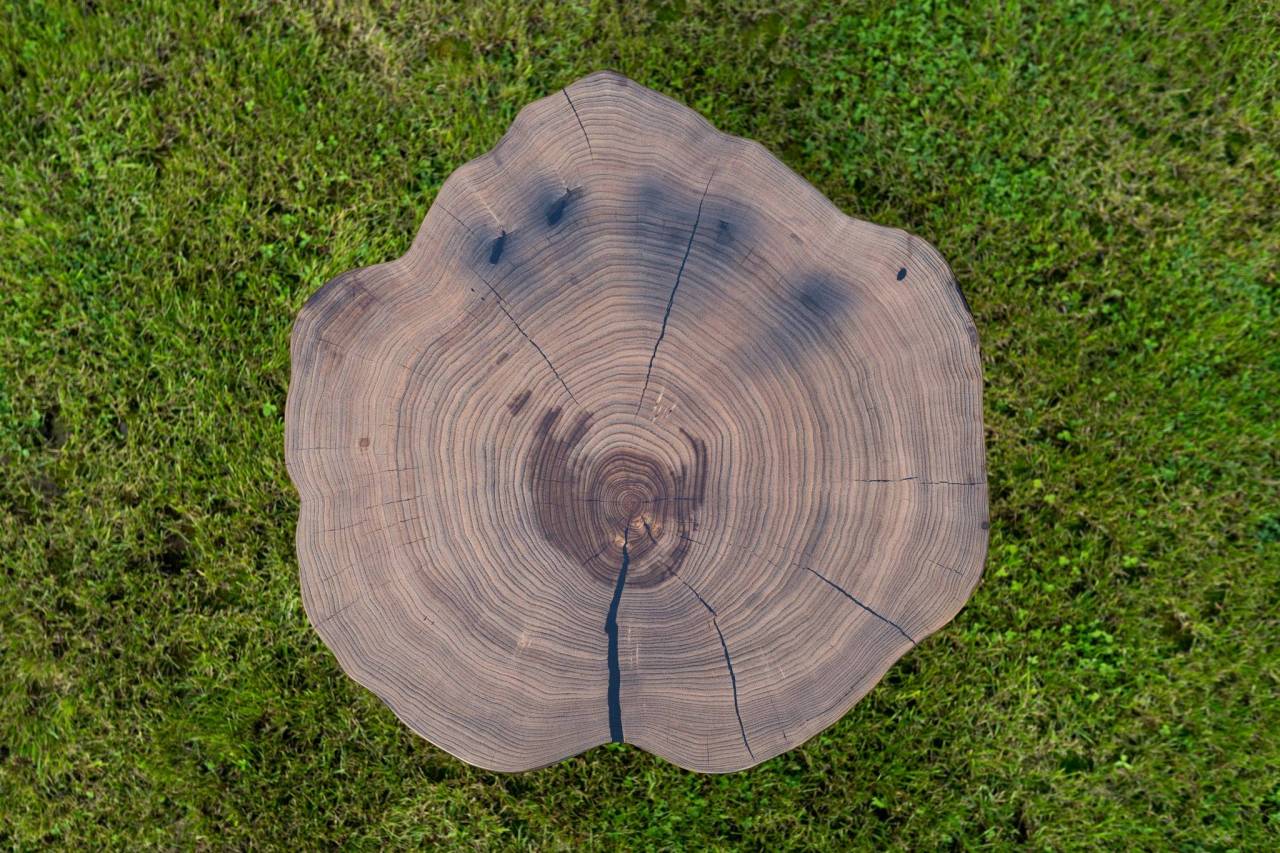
<point>902,273</point>
<point>611,631</point>
<point>671,300</point>
<point>556,211</point>
<point>495,253</point>
<point>841,590</point>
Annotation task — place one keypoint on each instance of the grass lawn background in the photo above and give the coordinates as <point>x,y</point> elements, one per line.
<point>1104,180</point>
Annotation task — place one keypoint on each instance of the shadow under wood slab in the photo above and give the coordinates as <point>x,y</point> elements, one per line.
<point>642,440</point>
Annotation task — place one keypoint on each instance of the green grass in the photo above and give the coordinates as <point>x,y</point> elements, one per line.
<point>1104,179</point>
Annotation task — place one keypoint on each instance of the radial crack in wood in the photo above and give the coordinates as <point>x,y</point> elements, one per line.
<point>642,440</point>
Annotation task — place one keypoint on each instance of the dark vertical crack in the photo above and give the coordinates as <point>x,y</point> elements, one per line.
<point>671,300</point>
<point>611,631</point>
<point>728,661</point>
<point>733,683</point>
<point>580,124</point>
<point>841,590</point>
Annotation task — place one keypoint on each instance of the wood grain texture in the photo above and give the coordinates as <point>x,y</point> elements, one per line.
<point>642,440</point>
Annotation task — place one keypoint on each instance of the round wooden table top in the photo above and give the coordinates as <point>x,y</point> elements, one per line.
<point>642,441</point>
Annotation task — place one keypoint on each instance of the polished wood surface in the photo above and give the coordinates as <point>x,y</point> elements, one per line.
<point>642,440</point>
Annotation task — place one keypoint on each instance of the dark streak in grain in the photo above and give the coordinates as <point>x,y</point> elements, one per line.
<point>518,401</point>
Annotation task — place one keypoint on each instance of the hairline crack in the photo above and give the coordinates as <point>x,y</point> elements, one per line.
<point>671,300</point>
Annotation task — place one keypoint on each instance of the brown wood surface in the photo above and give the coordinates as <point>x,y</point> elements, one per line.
<point>642,440</point>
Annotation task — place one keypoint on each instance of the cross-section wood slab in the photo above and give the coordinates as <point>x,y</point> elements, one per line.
<point>642,440</point>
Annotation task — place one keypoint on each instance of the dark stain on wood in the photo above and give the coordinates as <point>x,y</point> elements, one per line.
<point>589,506</point>
<point>518,402</point>
<point>666,213</point>
<point>825,299</point>
<point>724,233</point>
<point>809,311</point>
<point>495,253</point>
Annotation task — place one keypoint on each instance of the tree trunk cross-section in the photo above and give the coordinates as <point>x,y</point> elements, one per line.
<point>641,441</point>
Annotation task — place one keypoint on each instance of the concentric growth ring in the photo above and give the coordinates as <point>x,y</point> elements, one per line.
<point>642,440</point>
